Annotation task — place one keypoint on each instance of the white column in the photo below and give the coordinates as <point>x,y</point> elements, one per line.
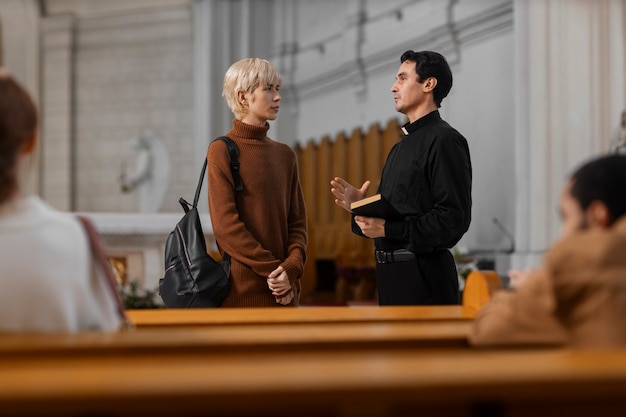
<point>246,24</point>
<point>284,57</point>
<point>569,91</point>
<point>615,37</point>
<point>223,33</point>
<point>19,21</point>
<point>19,53</point>
<point>225,50</point>
<point>204,88</point>
<point>57,111</point>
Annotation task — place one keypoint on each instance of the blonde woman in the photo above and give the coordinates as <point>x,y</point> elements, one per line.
<point>263,227</point>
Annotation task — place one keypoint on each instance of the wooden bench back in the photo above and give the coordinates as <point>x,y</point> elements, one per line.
<point>274,316</point>
<point>479,287</point>
<point>341,383</point>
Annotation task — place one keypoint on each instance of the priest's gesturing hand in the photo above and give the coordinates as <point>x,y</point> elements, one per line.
<point>346,194</point>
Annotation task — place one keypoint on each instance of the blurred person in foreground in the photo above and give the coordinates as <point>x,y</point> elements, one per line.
<point>49,279</point>
<point>578,296</point>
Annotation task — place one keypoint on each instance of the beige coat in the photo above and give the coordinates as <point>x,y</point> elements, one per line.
<point>578,298</point>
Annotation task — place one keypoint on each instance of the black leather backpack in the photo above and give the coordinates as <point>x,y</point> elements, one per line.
<point>192,277</point>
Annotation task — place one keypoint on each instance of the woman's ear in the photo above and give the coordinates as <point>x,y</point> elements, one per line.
<point>241,96</point>
<point>598,215</point>
<point>30,144</point>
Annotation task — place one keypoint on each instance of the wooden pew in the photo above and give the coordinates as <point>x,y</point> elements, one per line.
<point>178,332</point>
<point>245,338</point>
<point>314,383</point>
<point>258,316</point>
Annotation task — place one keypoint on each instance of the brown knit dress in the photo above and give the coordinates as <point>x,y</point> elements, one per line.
<point>264,225</point>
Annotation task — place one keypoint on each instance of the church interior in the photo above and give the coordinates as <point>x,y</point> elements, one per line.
<point>130,97</point>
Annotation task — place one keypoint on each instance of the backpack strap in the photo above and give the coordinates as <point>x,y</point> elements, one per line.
<point>234,161</point>
<point>185,204</point>
<point>234,170</point>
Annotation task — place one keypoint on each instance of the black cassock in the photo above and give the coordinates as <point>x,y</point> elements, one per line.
<point>428,179</point>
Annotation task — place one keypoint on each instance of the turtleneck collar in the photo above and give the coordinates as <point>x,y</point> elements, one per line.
<point>246,131</point>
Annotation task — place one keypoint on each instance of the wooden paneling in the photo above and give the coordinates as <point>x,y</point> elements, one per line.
<point>308,168</point>
<point>390,137</point>
<point>339,169</point>
<point>373,148</point>
<point>323,175</point>
<point>356,158</point>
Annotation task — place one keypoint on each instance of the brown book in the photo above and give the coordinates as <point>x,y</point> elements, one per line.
<point>375,206</point>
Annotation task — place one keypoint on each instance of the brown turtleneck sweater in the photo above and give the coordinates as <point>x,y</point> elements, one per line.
<point>262,226</point>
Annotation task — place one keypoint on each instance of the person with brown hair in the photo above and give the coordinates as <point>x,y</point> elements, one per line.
<point>49,279</point>
<point>578,296</point>
<point>263,227</point>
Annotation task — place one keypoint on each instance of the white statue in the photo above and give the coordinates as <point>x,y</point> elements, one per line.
<point>151,172</point>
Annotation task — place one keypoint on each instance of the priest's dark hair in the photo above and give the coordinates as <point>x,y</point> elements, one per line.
<point>431,64</point>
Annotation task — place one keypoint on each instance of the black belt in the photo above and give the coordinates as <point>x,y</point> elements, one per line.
<point>387,257</point>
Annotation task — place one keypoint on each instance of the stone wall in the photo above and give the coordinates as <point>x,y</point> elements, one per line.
<point>114,77</point>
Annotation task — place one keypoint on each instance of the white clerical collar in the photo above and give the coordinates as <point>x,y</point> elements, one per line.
<point>404,131</point>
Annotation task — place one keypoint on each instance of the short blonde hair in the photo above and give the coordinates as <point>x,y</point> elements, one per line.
<point>246,75</point>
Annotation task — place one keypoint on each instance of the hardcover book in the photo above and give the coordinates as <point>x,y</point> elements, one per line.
<point>375,206</point>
